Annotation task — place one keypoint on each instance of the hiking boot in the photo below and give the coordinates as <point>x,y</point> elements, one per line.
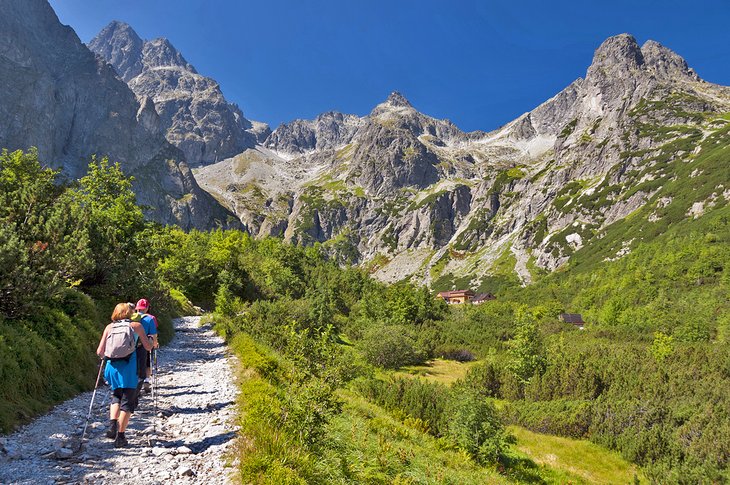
<point>112,431</point>
<point>120,441</point>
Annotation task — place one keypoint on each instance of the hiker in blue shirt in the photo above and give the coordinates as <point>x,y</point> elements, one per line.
<point>144,360</point>
<point>118,347</point>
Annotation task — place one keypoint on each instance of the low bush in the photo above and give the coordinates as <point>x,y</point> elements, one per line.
<point>451,352</point>
<point>561,417</point>
<point>473,424</point>
<point>391,346</point>
<point>181,305</point>
<point>459,415</point>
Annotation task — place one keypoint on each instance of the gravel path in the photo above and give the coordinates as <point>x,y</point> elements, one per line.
<point>186,443</point>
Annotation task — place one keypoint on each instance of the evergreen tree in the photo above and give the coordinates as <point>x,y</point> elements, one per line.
<point>526,350</point>
<point>44,244</point>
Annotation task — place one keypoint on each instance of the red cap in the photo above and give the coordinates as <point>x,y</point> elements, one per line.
<point>142,305</point>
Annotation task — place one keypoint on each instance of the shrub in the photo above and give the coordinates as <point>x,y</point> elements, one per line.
<point>391,347</point>
<point>473,424</point>
<point>560,417</point>
<point>181,304</point>
<point>416,398</point>
<point>45,359</point>
<point>450,352</point>
<point>485,379</point>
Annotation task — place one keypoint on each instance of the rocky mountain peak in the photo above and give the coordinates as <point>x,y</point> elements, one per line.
<point>118,28</point>
<point>193,113</point>
<point>620,57</point>
<point>328,130</point>
<point>398,100</point>
<point>665,63</point>
<point>120,45</point>
<point>395,104</point>
<point>618,53</point>
<point>161,53</point>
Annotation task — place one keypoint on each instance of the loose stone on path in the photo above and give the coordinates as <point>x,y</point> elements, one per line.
<point>188,441</point>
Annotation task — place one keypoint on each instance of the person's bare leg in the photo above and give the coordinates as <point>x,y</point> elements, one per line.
<point>124,420</point>
<point>114,411</point>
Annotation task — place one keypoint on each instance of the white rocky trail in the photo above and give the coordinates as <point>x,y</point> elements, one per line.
<point>188,441</point>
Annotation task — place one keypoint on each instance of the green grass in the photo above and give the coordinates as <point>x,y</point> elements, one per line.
<point>371,446</point>
<point>438,266</point>
<point>47,357</point>
<point>586,461</point>
<point>184,306</point>
<point>437,370</point>
<point>267,453</point>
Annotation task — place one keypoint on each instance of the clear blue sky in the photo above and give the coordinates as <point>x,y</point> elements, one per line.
<point>477,63</point>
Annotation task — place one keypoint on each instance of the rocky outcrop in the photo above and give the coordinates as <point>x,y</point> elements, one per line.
<point>327,131</point>
<point>58,97</point>
<point>194,114</point>
<point>120,45</point>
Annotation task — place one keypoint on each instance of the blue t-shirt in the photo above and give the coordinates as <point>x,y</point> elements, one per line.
<point>122,373</point>
<point>148,323</point>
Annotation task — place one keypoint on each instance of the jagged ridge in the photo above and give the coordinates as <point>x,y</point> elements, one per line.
<point>194,113</point>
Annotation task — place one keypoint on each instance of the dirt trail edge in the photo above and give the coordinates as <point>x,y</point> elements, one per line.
<point>195,425</point>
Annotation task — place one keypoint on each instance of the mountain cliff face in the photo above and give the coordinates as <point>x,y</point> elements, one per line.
<point>416,196</point>
<point>194,115</point>
<point>58,97</point>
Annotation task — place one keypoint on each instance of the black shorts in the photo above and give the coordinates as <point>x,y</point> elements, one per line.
<point>126,398</point>
<point>143,358</point>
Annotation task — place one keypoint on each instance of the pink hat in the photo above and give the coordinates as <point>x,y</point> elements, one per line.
<point>142,305</point>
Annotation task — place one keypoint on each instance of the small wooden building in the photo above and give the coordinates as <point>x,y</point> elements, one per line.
<point>456,297</point>
<point>573,318</point>
<point>482,297</point>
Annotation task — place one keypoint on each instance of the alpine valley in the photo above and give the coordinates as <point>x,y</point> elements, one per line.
<point>590,238</point>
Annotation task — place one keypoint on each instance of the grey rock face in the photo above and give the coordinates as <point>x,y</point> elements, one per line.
<point>194,114</point>
<point>58,97</point>
<point>327,131</point>
<point>122,47</point>
<point>160,53</point>
<point>665,64</point>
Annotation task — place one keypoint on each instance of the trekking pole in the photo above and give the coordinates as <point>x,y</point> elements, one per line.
<point>91,404</point>
<point>106,396</point>
<point>155,391</point>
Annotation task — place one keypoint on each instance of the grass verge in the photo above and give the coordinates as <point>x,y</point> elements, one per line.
<point>585,460</point>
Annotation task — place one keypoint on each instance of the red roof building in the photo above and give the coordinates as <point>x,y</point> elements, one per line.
<point>457,297</point>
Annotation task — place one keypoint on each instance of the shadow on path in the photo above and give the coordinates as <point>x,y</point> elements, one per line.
<point>204,444</point>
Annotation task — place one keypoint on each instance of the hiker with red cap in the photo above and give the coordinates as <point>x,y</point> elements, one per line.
<point>144,361</point>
